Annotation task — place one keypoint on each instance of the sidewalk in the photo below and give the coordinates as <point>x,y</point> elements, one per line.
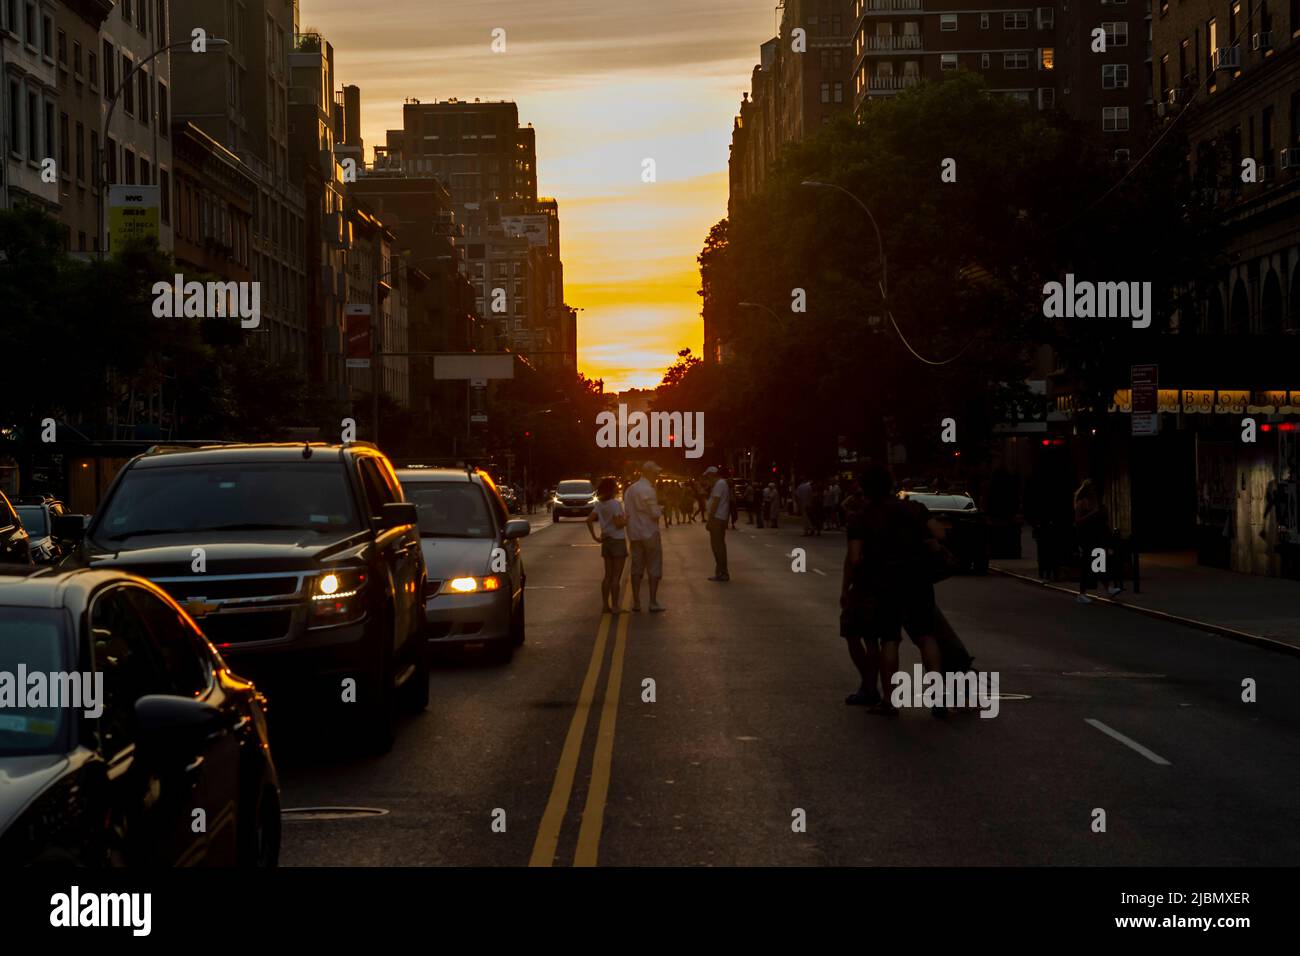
<point>1262,610</point>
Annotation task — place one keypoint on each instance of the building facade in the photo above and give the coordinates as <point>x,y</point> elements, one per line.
<point>81,116</point>
<point>239,95</point>
<point>29,108</point>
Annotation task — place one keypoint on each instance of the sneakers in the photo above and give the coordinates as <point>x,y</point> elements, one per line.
<point>1113,590</point>
<point>656,607</point>
<point>1084,599</point>
<point>721,577</point>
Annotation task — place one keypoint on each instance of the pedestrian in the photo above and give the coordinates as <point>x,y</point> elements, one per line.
<point>643,513</point>
<point>815,508</point>
<point>736,503</point>
<point>886,587</point>
<point>662,491</point>
<point>831,504</point>
<point>1091,530</point>
<point>803,498</point>
<point>716,521</point>
<point>613,541</point>
<point>771,503</point>
<point>756,503</point>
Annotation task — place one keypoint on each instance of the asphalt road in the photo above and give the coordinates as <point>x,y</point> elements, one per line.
<point>556,758</point>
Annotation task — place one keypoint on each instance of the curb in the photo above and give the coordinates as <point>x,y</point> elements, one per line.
<point>1268,643</point>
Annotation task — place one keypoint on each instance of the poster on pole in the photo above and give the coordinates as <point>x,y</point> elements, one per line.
<point>133,213</point>
<point>1145,418</point>
<point>356,331</point>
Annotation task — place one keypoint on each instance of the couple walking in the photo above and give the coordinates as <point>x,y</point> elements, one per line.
<point>629,527</point>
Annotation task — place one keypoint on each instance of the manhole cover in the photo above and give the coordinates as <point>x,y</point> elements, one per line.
<point>330,813</point>
<point>1113,675</point>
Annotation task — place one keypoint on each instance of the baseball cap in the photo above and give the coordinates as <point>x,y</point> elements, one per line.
<point>651,466</point>
<point>711,470</point>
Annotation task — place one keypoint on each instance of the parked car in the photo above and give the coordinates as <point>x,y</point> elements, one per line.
<point>474,599</point>
<point>574,498</point>
<point>15,543</point>
<point>176,732</point>
<point>301,563</point>
<point>966,528</point>
<point>511,499</point>
<point>36,513</point>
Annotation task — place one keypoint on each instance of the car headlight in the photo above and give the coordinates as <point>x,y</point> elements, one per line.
<point>471,585</point>
<point>337,597</point>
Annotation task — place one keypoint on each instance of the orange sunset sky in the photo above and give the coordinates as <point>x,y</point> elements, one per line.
<point>606,84</point>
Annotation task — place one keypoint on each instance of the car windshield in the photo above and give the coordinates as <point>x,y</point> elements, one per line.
<point>33,519</point>
<point>225,496</point>
<point>450,509</point>
<point>30,638</point>
<point>575,488</point>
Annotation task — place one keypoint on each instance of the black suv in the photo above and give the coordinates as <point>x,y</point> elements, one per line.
<point>301,563</point>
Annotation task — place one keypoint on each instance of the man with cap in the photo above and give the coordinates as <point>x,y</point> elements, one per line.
<point>717,517</point>
<point>643,513</point>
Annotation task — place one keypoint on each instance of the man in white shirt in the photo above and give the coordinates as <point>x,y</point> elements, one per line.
<point>643,513</point>
<point>717,518</point>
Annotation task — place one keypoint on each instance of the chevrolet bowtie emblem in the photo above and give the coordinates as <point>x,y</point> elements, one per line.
<point>200,606</point>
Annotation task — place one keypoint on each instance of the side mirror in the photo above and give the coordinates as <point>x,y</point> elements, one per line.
<point>397,514</point>
<point>173,728</point>
<point>69,527</point>
<point>517,528</point>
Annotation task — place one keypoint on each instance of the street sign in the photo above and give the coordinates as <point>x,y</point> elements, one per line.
<point>133,213</point>
<point>357,332</point>
<point>1145,417</point>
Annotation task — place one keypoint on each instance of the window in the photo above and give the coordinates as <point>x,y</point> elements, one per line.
<point>63,48</point>
<point>49,143</point>
<point>1116,33</point>
<point>947,61</point>
<point>146,114</point>
<point>1047,58</point>
<point>1046,98</point>
<point>128,166</point>
<point>826,92</point>
<point>985,60</point>
<point>146,172</point>
<point>126,10</point>
<point>110,61</point>
<point>47,37</point>
<point>1015,20</point>
<point>94,159</point>
<point>175,646</point>
<point>1046,18</point>
<point>984,21</point>
<point>110,146</point>
<point>33,126</point>
<point>947,22</point>
<point>1121,155</point>
<point>15,139</point>
<point>122,654</point>
<point>81,152</point>
<point>1114,76</point>
<point>65,169</point>
<point>164,116</point>
<point>839,93</point>
<point>92,70</point>
<point>1015,61</point>
<point>1114,119</point>
<point>128,91</point>
<point>29,26</point>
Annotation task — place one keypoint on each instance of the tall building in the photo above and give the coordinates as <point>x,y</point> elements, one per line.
<point>478,150</point>
<point>30,104</point>
<point>81,117</point>
<point>1228,75</point>
<point>138,143</point>
<point>801,82</point>
<point>1041,55</point>
<point>212,207</point>
<point>239,95</point>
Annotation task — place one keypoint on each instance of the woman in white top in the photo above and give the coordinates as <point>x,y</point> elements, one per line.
<point>613,542</point>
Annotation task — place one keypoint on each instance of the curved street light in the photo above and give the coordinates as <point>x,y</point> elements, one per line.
<point>102,159</point>
<point>880,242</point>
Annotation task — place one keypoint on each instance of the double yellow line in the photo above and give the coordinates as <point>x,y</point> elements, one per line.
<point>593,814</point>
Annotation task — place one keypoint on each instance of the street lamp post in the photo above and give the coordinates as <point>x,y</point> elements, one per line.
<point>880,242</point>
<point>101,162</point>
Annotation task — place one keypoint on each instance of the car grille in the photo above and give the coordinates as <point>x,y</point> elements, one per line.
<point>227,589</point>
<point>244,628</point>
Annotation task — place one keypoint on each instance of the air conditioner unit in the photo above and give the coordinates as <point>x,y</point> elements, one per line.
<point>1254,41</point>
<point>1162,110</point>
<point>1177,96</point>
<point>1290,158</point>
<point>1263,174</point>
<point>1122,155</point>
<point>1227,58</point>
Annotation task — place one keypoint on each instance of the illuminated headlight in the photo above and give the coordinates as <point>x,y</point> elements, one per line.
<point>471,585</point>
<point>337,597</point>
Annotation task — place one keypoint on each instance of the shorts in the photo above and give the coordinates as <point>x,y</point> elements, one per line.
<point>883,619</point>
<point>647,557</point>
<point>613,547</point>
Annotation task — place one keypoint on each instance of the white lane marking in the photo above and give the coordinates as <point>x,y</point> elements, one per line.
<point>1150,755</point>
<point>817,571</point>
